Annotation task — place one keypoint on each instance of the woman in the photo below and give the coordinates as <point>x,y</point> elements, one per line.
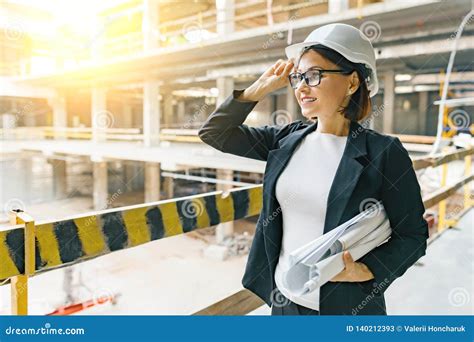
<point>322,173</point>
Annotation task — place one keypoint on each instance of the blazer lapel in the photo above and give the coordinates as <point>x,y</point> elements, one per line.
<point>347,175</point>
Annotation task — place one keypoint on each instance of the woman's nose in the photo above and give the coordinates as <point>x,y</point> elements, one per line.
<point>302,85</point>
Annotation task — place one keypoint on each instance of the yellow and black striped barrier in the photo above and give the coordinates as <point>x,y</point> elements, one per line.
<point>76,239</point>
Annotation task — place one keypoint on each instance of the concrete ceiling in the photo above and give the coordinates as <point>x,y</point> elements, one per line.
<point>401,24</point>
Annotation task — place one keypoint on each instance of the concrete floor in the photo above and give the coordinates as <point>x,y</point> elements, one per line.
<point>442,283</point>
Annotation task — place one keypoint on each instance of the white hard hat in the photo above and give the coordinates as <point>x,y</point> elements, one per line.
<point>349,42</point>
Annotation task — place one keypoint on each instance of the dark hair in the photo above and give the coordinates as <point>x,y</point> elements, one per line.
<point>360,104</point>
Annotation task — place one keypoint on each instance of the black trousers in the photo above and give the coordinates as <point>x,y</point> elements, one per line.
<point>285,307</point>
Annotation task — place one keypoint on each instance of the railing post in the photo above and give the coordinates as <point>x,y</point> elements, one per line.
<point>442,205</point>
<point>19,283</point>
<point>467,188</point>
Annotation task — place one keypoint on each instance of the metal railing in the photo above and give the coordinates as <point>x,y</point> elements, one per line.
<point>79,133</point>
<point>86,133</point>
<point>168,132</point>
<point>29,248</point>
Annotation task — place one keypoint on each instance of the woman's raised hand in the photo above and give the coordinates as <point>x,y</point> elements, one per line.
<point>273,78</point>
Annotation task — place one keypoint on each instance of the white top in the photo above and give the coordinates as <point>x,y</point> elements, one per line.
<point>302,191</point>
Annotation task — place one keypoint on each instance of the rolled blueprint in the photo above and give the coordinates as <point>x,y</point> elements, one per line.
<point>315,263</point>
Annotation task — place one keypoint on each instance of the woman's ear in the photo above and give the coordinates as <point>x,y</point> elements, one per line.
<point>354,83</point>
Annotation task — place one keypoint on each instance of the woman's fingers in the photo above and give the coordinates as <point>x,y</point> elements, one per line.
<point>280,69</point>
<point>348,261</point>
<point>276,65</point>
<point>284,68</point>
<point>289,66</point>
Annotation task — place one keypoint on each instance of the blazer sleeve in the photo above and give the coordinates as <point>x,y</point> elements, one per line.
<point>401,197</point>
<point>224,130</point>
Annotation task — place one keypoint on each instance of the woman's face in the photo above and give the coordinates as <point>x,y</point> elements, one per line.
<point>329,95</point>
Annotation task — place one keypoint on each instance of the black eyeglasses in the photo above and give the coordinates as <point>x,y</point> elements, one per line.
<point>312,77</point>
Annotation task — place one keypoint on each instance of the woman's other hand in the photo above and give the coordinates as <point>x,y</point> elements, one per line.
<point>354,271</point>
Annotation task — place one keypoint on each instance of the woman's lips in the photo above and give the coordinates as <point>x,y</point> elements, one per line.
<point>308,101</point>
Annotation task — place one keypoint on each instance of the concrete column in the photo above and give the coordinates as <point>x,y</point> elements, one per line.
<point>100,185</point>
<point>422,109</point>
<point>336,6</point>
<point>150,22</point>
<point>127,114</point>
<point>168,109</point>
<point>9,122</point>
<point>58,105</point>
<point>27,165</point>
<point>59,178</point>
<point>225,86</point>
<point>29,119</point>
<point>128,175</point>
<point>225,229</point>
<point>225,16</point>
<point>151,114</point>
<point>388,101</point>
<point>168,187</point>
<point>180,112</point>
<point>291,102</point>
<point>68,285</point>
<point>101,118</point>
<point>152,182</point>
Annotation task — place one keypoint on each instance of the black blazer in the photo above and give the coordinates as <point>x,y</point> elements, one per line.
<point>373,167</point>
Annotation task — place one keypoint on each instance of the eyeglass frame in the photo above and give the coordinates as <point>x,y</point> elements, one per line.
<point>320,71</point>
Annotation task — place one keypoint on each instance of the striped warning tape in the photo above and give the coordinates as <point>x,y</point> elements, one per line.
<point>72,240</point>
